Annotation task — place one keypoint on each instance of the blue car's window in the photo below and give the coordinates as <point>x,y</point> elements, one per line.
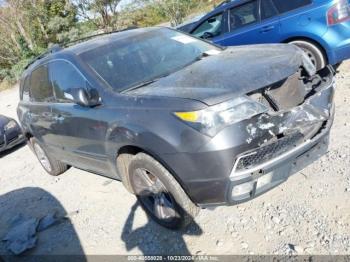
<point>211,27</point>
<point>268,9</point>
<point>244,15</point>
<point>285,6</point>
<point>137,59</point>
<point>72,79</point>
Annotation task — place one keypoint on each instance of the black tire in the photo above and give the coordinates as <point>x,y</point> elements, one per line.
<point>52,166</point>
<point>184,209</point>
<point>313,51</point>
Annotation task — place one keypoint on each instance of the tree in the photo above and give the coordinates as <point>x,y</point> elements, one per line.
<point>175,10</point>
<point>103,13</point>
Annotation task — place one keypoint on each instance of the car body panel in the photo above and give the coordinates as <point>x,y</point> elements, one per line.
<point>91,138</point>
<point>237,71</point>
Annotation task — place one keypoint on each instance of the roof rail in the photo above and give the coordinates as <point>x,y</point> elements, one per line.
<point>58,47</point>
<point>96,35</point>
<point>53,49</point>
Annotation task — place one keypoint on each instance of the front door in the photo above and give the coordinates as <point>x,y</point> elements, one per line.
<point>79,132</point>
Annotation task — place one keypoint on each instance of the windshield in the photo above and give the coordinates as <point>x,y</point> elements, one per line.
<point>144,57</point>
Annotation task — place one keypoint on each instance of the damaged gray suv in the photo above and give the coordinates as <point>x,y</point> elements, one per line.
<point>182,123</point>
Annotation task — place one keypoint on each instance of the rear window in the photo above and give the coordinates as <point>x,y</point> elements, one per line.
<point>268,9</point>
<point>40,86</point>
<point>285,6</point>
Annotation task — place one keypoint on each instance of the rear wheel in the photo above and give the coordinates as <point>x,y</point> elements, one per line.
<point>313,51</point>
<point>51,165</point>
<point>160,194</point>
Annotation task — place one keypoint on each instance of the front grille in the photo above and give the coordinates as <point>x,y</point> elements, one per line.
<point>270,151</point>
<point>12,139</point>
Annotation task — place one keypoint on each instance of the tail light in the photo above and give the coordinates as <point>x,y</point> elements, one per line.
<point>338,13</point>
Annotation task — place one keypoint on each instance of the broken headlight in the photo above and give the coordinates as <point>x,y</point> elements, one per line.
<point>213,119</point>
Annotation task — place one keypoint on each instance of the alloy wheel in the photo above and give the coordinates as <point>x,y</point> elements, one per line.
<point>43,159</point>
<point>153,195</point>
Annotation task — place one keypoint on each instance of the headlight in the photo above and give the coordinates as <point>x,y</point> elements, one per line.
<point>10,125</point>
<point>213,119</point>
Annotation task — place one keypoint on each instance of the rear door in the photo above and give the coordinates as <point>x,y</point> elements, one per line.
<point>298,17</point>
<point>254,22</point>
<point>39,114</point>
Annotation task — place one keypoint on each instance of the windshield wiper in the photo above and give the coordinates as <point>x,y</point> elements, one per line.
<point>142,84</point>
<point>146,83</point>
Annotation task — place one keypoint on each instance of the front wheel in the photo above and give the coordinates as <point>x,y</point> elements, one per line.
<point>313,51</point>
<point>160,195</point>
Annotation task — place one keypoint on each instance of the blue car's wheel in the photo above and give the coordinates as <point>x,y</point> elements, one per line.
<point>313,52</point>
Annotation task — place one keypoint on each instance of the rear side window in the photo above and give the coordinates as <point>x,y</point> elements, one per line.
<point>65,77</point>
<point>243,15</point>
<point>40,86</point>
<point>268,9</point>
<point>25,90</point>
<point>285,6</point>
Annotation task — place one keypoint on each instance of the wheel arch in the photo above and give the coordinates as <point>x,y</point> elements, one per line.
<point>310,40</point>
<point>124,156</point>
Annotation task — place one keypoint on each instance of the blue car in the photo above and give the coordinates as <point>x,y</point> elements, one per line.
<point>320,27</point>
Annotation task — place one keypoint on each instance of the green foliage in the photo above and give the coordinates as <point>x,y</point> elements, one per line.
<point>28,28</point>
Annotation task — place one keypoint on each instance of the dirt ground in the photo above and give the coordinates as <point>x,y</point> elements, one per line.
<point>309,214</point>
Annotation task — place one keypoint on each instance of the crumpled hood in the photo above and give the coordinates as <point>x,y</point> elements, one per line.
<point>235,71</point>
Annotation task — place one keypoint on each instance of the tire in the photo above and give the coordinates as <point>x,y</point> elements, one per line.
<point>313,51</point>
<point>51,165</point>
<point>178,209</point>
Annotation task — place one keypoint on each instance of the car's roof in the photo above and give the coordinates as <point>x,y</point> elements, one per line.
<point>79,48</point>
<point>102,40</point>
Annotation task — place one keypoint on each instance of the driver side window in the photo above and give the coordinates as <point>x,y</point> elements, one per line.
<point>65,77</point>
<point>210,28</point>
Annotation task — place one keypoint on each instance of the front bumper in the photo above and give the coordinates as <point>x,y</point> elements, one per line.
<point>210,175</point>
<point>264,177</point>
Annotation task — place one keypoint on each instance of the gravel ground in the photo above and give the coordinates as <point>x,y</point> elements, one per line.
<point>309,214</point>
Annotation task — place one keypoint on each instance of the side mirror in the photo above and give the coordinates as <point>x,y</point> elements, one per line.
<point>83,96</point>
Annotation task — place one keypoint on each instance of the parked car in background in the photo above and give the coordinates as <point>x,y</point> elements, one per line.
<point>10,133</point>
<point>320,27</point>
<point>183,123</point>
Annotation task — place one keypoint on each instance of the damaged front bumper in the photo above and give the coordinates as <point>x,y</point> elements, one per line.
<point>306,129</point>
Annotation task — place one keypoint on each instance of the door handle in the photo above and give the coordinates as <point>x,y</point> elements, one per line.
<point>267,28</point>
